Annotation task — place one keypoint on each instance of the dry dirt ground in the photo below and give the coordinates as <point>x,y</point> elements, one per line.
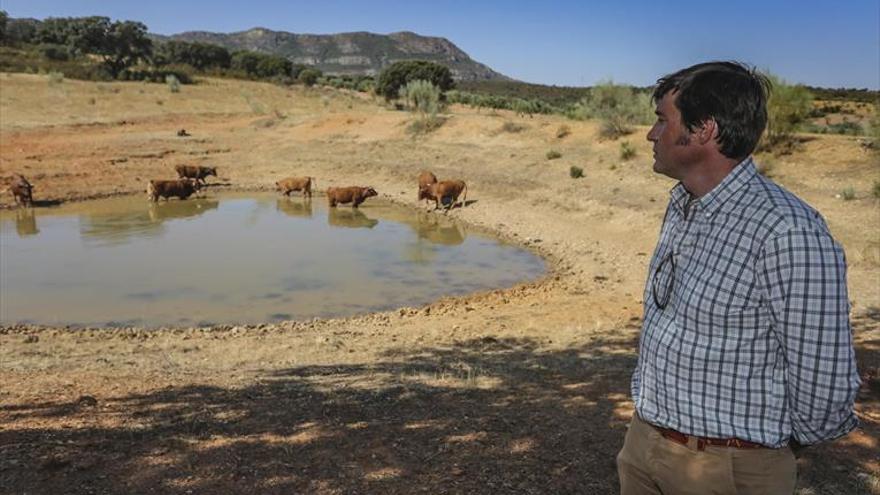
<point>523,390</point>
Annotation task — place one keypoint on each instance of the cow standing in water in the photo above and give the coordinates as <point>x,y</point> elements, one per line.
<point>290,184</point>
<point>179,188</point>
<point>352,194</point>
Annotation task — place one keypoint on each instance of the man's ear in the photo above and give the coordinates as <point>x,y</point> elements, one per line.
<point>708,131</point>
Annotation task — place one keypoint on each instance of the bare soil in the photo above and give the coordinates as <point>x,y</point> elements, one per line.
<point>523,390</point>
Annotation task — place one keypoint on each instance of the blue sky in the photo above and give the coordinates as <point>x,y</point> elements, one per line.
<point>561,42</point>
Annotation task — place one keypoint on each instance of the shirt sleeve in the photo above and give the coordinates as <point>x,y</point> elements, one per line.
<point>804,274</point>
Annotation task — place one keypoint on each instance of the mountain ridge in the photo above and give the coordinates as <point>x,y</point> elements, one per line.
<point>351,53</point>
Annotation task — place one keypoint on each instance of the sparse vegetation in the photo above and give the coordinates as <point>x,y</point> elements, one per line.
<point>55,78</point>
<point>553,155</point>
<point>617,107</point>
<point>173,83</point>
<point>512,127</point>
<point>627,150</point>
<point>788,107</point>
<point>575,172</point>
<point>875,189</point>
<point>848,193</point>
<point>765,166</point>
<point>423,98</point>
<point>563,131</point>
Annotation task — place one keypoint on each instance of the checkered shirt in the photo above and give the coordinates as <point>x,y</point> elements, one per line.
<point>755,341</point>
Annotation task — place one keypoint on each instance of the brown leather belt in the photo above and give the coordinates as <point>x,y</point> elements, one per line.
<point>702,442</point>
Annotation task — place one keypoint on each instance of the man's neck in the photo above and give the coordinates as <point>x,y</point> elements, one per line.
<point>706,176</point>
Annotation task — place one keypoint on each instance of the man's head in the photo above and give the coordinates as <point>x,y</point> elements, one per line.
<point>721,104</point>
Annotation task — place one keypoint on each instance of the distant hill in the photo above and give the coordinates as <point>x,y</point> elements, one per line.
<point>358,53</point>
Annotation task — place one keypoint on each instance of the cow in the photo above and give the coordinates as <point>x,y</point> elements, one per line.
<point>352,194</point>
<point>195,172</point>
<point>445,189</point>
<point>180,188</point>
<point>22,190</point>
<point>290,184</point>
<point>425,179</point>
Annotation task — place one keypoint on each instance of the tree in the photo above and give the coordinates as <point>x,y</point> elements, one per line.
<point>120,44</point>
<point>309,76</point>
<point>618,108</point>
<point>4,18</point>
<point>393,77</point>
<point>200,56</point>
<point>124,44</point>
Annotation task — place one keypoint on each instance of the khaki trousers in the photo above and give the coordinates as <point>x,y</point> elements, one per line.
<point>652,464</point>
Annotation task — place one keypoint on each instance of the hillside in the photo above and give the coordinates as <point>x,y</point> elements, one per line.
<point>348,53</point>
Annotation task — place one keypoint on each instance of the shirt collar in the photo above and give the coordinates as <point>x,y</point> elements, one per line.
<point>741,174</point>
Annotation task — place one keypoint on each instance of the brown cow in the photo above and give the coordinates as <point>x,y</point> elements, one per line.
<point>195,172</point>
<point>290,184</point>
<point>22,190</point>
<point>425,179</point>
<point>352,194</point>
<point>440,191</point>
<point>180,188</point>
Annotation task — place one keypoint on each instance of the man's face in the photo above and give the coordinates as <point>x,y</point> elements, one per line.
<point>673,153</point>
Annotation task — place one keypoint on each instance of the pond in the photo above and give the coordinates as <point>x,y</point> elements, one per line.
<point>238,258</point>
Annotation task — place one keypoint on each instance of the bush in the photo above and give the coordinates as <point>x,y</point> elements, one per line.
<point>563,131</point>
<point>421,96</point>
<point>875,190</point>
<point>575,172</point>
<point>309,76</point>
<point>617,107</point>
<point>627,151</point>
<point>846,128</point>
<point>553,154</point>
<point>56,78</point>
<point>425,125</point>
<point>788,107</point>
<point>512,127</point>
<point>848,194</point>
<point>765,167</point>
<point>398,74</point>
<point>173,83</point>
<point>54,51</point>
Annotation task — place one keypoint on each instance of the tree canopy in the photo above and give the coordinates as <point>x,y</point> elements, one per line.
<point>398,74</point>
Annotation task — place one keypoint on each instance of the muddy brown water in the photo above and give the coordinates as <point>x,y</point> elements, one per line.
<point>238,258</point>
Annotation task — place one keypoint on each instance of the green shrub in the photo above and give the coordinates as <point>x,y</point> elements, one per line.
<point>553,154</point>
<point>173,83</point>
<point>848,194</point>
<point>422,97</point>
<point>398,74</point>
<point>846,128</point>
<point>788,107</point>
<point>575,172</point>
<point>765,167</point>
<point>425,125</point>
<point>617,107</point>
<point>54,51</point>
<point>627,150</point>
<point>309,76</point>
<point>55,78</point>
<point>875,189</point>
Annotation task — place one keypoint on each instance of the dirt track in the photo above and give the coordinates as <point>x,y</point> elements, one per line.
<point>518,391</point>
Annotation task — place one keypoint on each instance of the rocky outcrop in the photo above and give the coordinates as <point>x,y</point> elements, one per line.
<point>348,53</point>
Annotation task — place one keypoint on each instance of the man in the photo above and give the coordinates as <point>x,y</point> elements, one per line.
<point>746,346</point>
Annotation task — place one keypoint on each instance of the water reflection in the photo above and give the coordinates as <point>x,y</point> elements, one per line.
<point>294,208</point>
<point>26,222</point>
<point>123,226</point>
<point>181,209</point>
<point>126,261</point>
<point>351,218</point>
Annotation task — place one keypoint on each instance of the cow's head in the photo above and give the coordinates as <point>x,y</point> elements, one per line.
<point>211,171</point>
<point>369,192</point>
